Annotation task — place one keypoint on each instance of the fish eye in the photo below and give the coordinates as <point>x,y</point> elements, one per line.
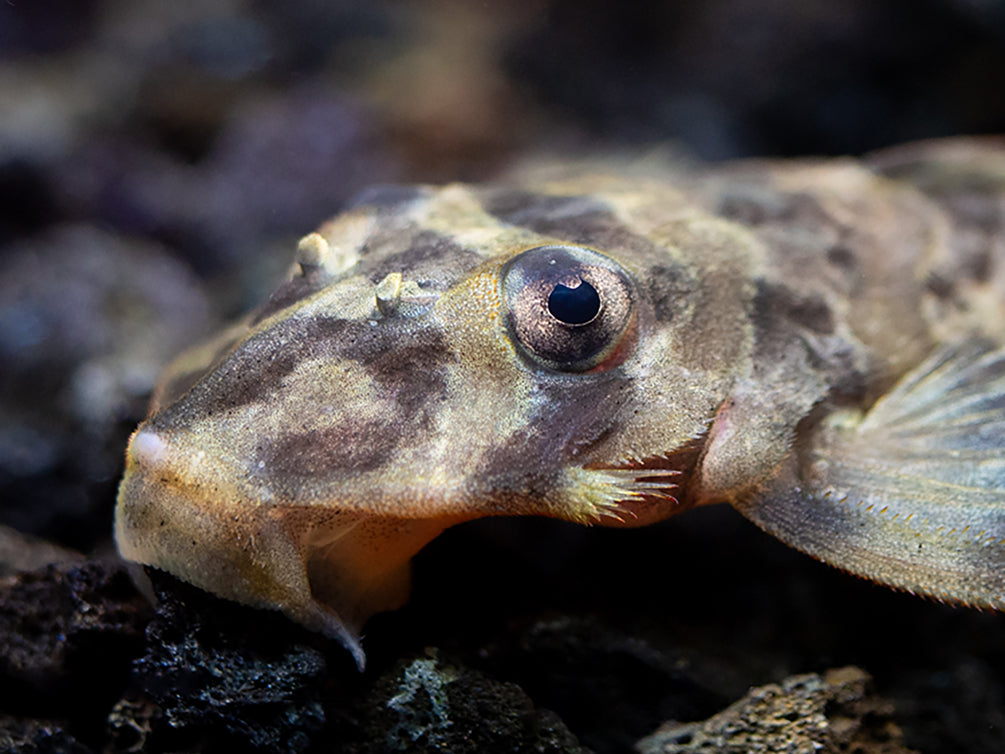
<point>569,308</point>
<point>577,305</point>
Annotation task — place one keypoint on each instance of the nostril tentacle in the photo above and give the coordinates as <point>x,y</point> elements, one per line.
<point>147,448</point>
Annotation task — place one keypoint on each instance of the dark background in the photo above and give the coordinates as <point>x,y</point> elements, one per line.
<point>158,161</point>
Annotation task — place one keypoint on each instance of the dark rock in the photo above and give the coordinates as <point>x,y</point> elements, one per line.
<point>804,714</point>
<point>132,724</point>
<point>29,204</point>
<point>29,736</point>
<point>953,709</point>
<point>45,27</point>
<point>607,686</point>
<point>227,676</point>
<point>67,635</point>
<point>806,78</point>
<point>429,705</point>
<point>20,552</point>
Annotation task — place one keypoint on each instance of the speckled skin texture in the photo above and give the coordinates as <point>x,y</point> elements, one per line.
<point>811,341</point>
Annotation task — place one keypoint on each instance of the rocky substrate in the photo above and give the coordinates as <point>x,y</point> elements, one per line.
<point>482,663</point>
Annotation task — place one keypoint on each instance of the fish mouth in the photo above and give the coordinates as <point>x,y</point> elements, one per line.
<point>327,569</point>
<point>238,552</point>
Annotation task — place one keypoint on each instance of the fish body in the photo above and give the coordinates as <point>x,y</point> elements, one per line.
<point>818,343</point>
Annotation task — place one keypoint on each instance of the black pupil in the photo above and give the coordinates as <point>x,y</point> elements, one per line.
<point>574,306</point>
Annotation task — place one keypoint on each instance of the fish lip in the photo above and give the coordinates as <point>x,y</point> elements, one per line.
<point>314,564</point>
<point>247,555</point>
<point>162,522</point>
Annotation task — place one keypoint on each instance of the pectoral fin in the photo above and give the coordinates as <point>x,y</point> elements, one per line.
<point>911,493</point>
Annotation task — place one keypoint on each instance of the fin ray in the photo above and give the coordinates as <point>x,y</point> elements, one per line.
<point>912,494</point>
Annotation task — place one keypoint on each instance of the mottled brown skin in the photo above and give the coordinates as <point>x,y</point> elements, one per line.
<point>810,341</point>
